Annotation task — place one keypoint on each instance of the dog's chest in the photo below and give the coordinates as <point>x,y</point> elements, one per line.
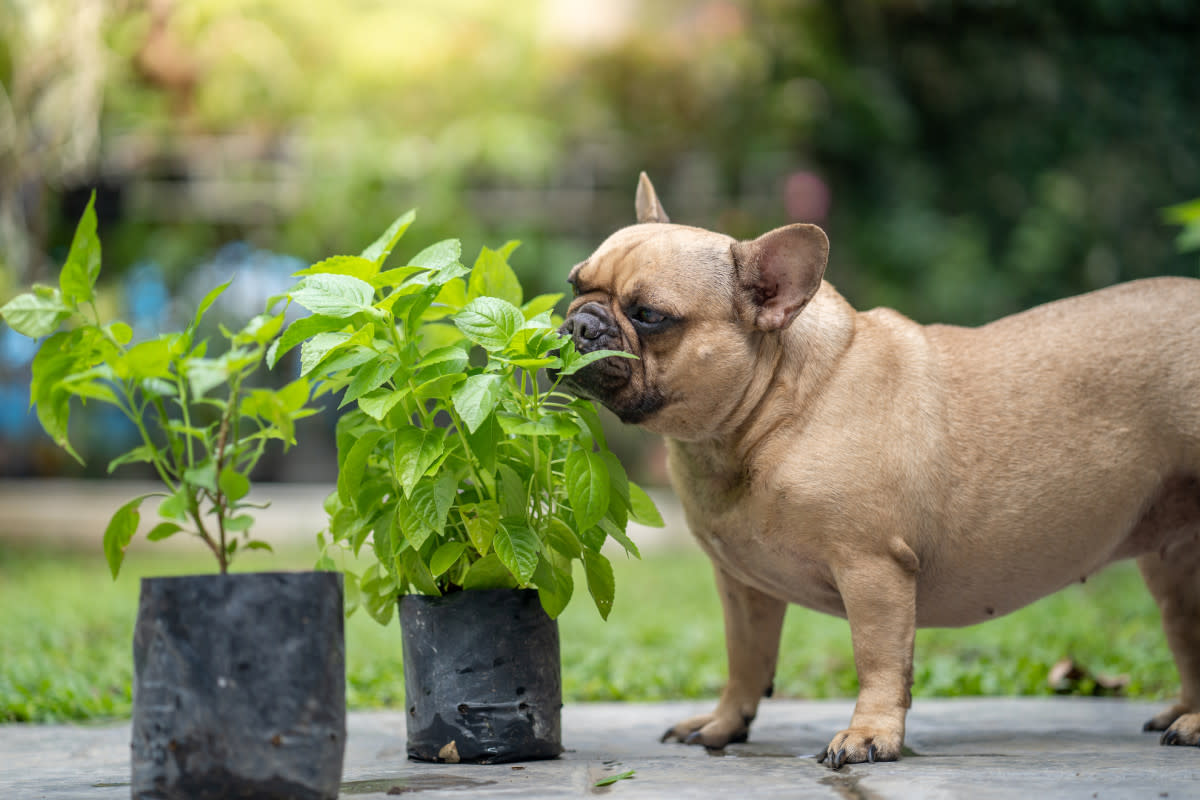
<point>745,534</point>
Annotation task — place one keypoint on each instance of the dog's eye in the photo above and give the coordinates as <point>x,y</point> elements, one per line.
<point>648,316</point>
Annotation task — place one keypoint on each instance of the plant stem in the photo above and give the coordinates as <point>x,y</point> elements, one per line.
<point>219,500</point>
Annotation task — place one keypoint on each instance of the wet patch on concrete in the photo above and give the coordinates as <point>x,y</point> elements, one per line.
<point>848,786</point>
<point>412,784</point>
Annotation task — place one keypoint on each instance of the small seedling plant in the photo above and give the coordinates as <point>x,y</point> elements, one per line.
<point>459,459</point>
<point>202,425</point>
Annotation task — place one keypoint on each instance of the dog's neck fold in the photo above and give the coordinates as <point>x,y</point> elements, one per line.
<point>802,358</point>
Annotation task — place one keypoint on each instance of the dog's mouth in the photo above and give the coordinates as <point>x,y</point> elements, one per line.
<point>607,381</point>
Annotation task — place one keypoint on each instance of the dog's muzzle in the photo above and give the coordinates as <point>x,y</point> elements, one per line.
<point>593,328</point>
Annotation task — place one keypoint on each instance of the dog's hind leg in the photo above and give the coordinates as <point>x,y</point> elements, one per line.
<point>753,622</point>
<point>1172,573</point>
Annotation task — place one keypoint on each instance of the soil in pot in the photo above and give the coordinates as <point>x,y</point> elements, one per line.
<point>482,677</point>
<point>239,687</point>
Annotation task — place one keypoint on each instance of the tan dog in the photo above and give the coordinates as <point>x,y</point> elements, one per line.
<point>895,474</point>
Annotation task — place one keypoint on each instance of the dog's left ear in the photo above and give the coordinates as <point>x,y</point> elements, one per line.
<point>646,202</point>
<point>781,271</point>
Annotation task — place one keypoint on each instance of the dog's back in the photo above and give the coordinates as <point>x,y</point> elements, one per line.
<point>1076,435</point>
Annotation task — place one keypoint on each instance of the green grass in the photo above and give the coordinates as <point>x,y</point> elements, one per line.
<point>66,630</point>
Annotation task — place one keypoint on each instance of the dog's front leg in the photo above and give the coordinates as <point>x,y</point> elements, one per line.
<point>880,600</point>
<point>753,622</point>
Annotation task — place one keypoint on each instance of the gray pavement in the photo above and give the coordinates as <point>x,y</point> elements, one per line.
<point>968,748</point>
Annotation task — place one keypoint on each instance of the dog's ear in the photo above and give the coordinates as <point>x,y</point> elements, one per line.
<point>781,271</point>
<point>648,207</point>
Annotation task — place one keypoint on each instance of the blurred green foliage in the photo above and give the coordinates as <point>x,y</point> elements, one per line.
<point>969,157</point>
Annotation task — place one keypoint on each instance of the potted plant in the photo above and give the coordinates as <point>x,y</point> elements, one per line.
<point>239,680</point>
<point>476,481</point>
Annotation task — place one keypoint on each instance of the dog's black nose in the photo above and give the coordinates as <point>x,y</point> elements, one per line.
<point>589,323</point>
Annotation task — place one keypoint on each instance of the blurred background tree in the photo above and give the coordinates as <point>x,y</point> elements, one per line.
<point>968,157</point>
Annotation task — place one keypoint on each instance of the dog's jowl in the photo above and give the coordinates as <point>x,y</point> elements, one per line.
<point>891,473</point>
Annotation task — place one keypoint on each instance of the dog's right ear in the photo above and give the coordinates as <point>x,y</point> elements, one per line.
<point>648,207</point>
<point>781,271</point>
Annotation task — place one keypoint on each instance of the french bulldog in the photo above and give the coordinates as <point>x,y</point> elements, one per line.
<point>894,474</point>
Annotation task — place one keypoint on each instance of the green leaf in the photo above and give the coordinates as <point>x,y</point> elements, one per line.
<point>489,573</point>
<point>540,304</point>
<point>581,361</point>
<point>481,520</point>
<point>378,595</point>
<point>56,358</point>
<point>516,545</point>
<point>393,277</point>
<point>555,587</point>
<point>493,277</point>
<point>175,506</point>
<point>298,331</point>
<point>512,492</point>
<point>355,266</point>
<point>350,471</point>
<point>559,425</point>
<point>369,377</point>
<point>379,250</point>
<point>642,508</point>
<point>600,581</point>
<point>242,522</point>
<point>255,544</point>
<point>418,572</point>
<point>617,532</point>
<point>477,398</point>
<point>79,273</point>
<point>587,487</point>
<point>33,316</point>
<point>334,295</point>
<point>120,532</point>
<point>150,359</point>
<point>119,331</point>
<point>445,557</point>
<point>483,443</point>
<point>611,779</point>
<point>234,485</point>
<point>415,450</point>
<point>316,349</point>
<point>351,355</point>
<point>261,329</point>
<point>424,513</point>
<point>207,302</point>
<point>561,538</point>
<point>204,476</point>
<point>157,387</point>
<point>489,322</point>
<point>91,390</point>
<point>163,530</point>
<point>143,454</point>
<point>377,404</point>
<point>439,255</point>
<point>593,538</point>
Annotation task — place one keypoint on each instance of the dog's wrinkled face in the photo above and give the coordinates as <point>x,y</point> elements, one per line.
<point>663,293</point>
<point>700,310</point>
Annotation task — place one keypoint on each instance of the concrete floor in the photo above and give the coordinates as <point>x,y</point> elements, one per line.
<point>969,748</point>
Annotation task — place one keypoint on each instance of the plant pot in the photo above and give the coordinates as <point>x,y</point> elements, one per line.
<point>239,686</point>
<point>482,677</point>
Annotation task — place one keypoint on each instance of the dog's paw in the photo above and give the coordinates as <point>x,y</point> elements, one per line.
<point>1162,720</point>
<point>856,745</point>
<point>1183,731</point>
<point>711,730</point>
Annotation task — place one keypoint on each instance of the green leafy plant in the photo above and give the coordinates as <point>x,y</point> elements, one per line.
<point>202,426</point>
<point>460,459</point>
